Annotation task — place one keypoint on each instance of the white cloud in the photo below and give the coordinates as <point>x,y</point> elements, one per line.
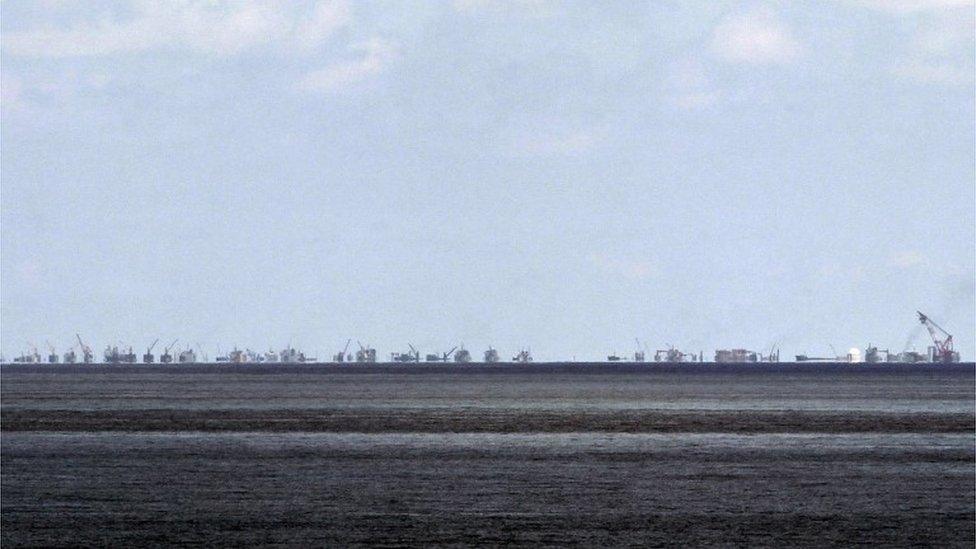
<point>938,49</point>
<point>758,38</point>
<point>214,28</point>
<point>326,18</point>
<point>372,59</point>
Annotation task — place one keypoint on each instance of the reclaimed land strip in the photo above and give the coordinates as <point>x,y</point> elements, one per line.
<point>829,368</point>
<point>398,420</point>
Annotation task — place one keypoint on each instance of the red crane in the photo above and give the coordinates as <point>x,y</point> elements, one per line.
<point>941,338</point>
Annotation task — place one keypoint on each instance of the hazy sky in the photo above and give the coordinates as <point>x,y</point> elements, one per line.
<point>558,175</point>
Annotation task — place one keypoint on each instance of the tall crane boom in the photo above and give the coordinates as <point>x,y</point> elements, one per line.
<point>86,351</point>
<point>941,338</point>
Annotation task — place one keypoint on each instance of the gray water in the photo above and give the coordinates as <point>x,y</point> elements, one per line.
<point>551,456</point>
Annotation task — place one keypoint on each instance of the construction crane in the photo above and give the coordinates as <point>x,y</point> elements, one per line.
<point>166,358</point>
<point>86,351</point>
<point>441,358</point>
<point>148,357</point>
<point>413,355</point>
<point>342,356</point>
<point>942,351</point>
<point>365,353</point>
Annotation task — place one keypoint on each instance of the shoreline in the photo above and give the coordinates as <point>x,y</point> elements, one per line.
<point>501,367</point>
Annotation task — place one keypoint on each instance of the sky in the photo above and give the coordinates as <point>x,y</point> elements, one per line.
<point>563,176</point>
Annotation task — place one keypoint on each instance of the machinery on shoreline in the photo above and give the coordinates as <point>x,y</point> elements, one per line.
<point>365,354</point>
<point>491,356</point>
<point>114,355</point>
<point>166,357</point>
<point>673,355</point>
<point>413,355</point>
<point>87,354</point>
<point>342,356</point>
<point>941,351</point>
<point>736,356</point>
<point>188,356</point>
<point>148,357</point>
<point>444,357</point>
<point>462,356</point>
<point>522,357</point>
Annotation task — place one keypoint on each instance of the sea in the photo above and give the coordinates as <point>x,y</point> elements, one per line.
<point>473,455</point>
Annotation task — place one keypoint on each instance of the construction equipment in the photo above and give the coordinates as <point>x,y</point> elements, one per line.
<point>908,357</point>
<point>669,355</point>
<point>86,351</point>
<point>365,354</point>
<point>342,356</point>
<point>290,355</point>
<point>639,355</point>
<point>30,357</point>
<point>491,355</point>
<point>52,357</point>
<point>942,349</point>
<point>524,356</point>
<point>113,355</point>
<point>849,357</point>
<point>148,357</point>
<point>166,357</point>
<point>674,355</point>
<point>188,356</point>
<point>773,355</point>
<point>69,356</point>
<point>413,355</point>
<point>441,358</point>
<point>873,355</point>
<point>736,356</point>
<point>462,356</point>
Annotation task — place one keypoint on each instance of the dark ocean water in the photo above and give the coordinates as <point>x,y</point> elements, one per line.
<point>550,455</point>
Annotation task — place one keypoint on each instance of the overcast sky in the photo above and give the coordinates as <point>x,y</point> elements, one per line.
<point>557,175</point>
